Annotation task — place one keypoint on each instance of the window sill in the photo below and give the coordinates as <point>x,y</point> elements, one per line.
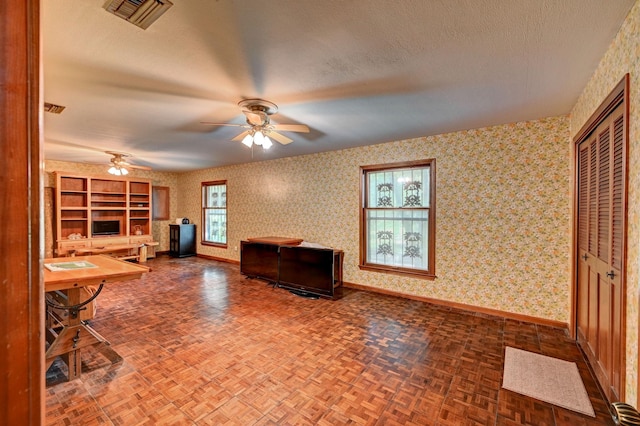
<point>424,275</point>
<point>212,244</point>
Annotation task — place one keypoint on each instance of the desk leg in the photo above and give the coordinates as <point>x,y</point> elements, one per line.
<point>142,254</point>
<point>73,357</point>
<point>67,341</point>
<point>338,260</point>
<point>75,364</point>
<point>71,335</point>
<point>105,347</point>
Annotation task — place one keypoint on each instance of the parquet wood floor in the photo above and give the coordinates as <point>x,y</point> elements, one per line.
<point>203,345</point>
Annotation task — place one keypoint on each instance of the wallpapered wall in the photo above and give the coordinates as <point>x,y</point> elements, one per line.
<point>503,212</point>
<point>160,227</point>
<point>503,205</point>
<point>622,57</point>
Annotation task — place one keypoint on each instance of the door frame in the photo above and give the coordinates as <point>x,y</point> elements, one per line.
<point>619,95</point>
<point>22,383</point>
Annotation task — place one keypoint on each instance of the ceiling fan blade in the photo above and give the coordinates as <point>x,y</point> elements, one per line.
<point>118,160</point>
<point>133,166</point>
<point>240,136</point>
<point>128,165</point>
<point>291,128</point>
<point>280,138</point>
<point>222,124</point>
<point>73,146</point>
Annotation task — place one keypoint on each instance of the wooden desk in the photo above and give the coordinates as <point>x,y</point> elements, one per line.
<point>121,251</point>
<point>67,340</point>
<point>137,251</point>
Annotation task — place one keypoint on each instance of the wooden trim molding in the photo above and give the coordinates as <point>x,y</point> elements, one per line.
<point>462,306</point>
<point>21,244</point>
<point>430,273</point>
<point>219,259</point>
<point>617,98</point>
<point>203,209</point>
<point>617,95</point>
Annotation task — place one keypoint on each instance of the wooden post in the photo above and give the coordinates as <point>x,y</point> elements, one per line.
<point>21,293</point>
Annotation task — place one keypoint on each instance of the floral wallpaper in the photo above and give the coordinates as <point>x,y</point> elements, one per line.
<point>503,200</point>
<point>622,57</point>
<point>160,228</point>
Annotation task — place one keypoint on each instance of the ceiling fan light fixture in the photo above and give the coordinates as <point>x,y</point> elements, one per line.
<point>258,138</point>
<point>118,171</point>
<point>266,143</point>
<point>258,124</point>
<point>248,140</point>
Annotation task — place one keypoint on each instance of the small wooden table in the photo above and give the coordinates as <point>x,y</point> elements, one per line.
<point>143,254</point>
<point>67,339</point>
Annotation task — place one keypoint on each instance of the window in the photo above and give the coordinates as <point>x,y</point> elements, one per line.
<point>214,213</point>
<point>397,230</point>
<point>160,200</point>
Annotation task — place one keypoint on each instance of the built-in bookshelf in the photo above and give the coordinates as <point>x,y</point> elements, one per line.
<point>93,211</point>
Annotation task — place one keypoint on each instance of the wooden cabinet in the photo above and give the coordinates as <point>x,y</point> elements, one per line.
<point>93,211</point>
<point>303,270</point>
<point>182,240</point>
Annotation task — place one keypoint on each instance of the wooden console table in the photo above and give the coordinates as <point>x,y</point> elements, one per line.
<point>288,263</point>
<point>277,241</point>
<point>66,339</point>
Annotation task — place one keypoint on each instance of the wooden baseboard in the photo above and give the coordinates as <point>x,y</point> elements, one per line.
<point>462,306</point>
<point>455,305</point>
<point>219,259</point>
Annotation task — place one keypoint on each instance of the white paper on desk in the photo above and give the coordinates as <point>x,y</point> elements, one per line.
<point>67,266</point>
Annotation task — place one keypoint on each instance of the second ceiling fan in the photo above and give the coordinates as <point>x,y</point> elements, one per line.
<point>260,130</point>
<point>120,166</point>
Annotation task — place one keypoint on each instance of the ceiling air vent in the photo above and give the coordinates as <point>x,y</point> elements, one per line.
<point>53,108</point>
<point>139,12</point>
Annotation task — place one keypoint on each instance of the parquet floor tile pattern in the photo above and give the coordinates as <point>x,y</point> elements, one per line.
<point>203,345</point>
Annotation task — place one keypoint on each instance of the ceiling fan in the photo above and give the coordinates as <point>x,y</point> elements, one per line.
<point>119,166</point>
<point>259,126</point>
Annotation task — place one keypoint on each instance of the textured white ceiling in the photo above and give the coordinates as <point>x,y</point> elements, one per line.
<point>357,72</point>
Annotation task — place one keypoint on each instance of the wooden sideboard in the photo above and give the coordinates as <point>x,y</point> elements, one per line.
<point>301,269</point>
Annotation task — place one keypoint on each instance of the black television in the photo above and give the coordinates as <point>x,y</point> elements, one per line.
<point>258,260</point>
<point>307,270</point>
<point>105,227</point>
